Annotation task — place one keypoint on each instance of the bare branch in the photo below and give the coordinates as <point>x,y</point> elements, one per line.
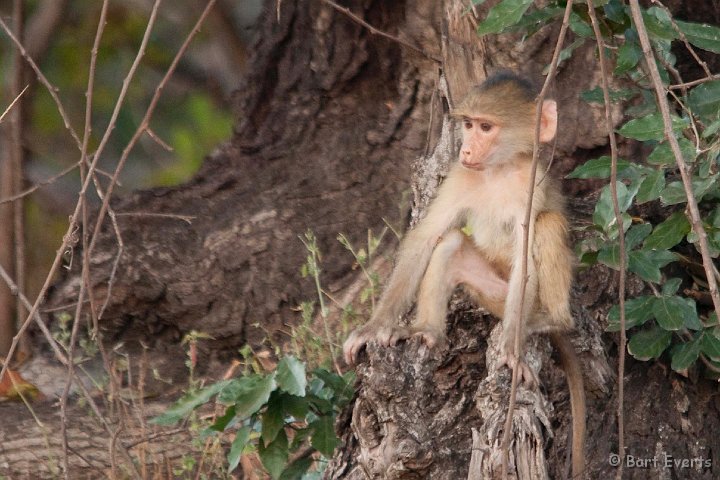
<point>145,123</point>
<point>526,234</point>
<point>684,39</point>
<point>375,31</point>
<point>17,156</point>
<point>41,77</point>
<point>185,218</point>
<point>662,101</point>
<point>12,104</point>
<point>695,82</point>
<point>37,186</point>
<point>86,262</point>
<point>610,124</point>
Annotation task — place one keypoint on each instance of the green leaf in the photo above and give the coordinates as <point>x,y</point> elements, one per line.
<point>291,376</point>
<point>651,187</point>
<point>702,186</point>
<point>650,127</point>
<point>610,256</point>
<point>188,403</point>
<point>566,53</point>
<point>248,394</point>
<point>588,259</point>
<point>342,386</point>
<point>222,423</point>
<point>683,356</point>
<point>615,12</point>
<point>711,129</point>
<point>297,469</point>
<point>671,286</point>
<point>649,344</point>
<point>301,435</point>
<point>636,234</point>
<point>701,35</point>
<point>647,263</point>
<point>669,233</point>
<point>531,22</point>
<point>579,26</point>
<point>596,95</point>
<point>659,24</point>
<point>273,419</point>
<point>598,168</point>
<point>604,210</point>
<point>663,155</point>
<point>675,191</point>
<point>298,407</point>
<point>629,54</point>
<point>692,320</point>
<point>637,311</point>
<point>321,404</point>
<point>673,312</point>
<point>241,438</point>
<point>323,438</point>
<point>503,15</point>
<point>331,379</point>
<point>710,346</point>
<point>274,456</point>
<point>704,100</point>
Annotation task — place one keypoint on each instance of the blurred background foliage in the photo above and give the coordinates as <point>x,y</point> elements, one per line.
<point>193,116</point>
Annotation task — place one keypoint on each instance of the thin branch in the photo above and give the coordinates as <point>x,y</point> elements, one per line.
<point>68,238</point>
<point>526,236</point>
<point>63,359</point>
<point>12,104</point>
<point>50,87</point>
<point>375,31</point>
<point>156,138</point>
<point>37,186</point>
<point>185,218</point>
<point>18,158</point>
<point>145,123</point>
<point>695,82</point>
<point>662,101</point>
<point>683,38</point>
<point>113,274</point>
<point>610,125</point>
<point>86,261</point>
<point>14,290</point>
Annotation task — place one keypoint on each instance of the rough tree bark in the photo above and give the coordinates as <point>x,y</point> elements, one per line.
<point>330,120</point>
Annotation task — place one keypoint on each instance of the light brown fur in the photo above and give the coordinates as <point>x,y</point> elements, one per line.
<point>487,190</point>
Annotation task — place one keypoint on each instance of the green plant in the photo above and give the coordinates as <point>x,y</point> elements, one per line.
<point>306,342</point>
<point>363,259</point>
<point>661,249</point>
<point>286,416</point>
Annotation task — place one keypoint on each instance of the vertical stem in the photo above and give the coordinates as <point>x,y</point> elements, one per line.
<point>662,101</point>
<point>610,124</point>
<point>17,156</point>
<point>526,236</point>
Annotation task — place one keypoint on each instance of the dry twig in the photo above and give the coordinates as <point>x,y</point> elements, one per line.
<point>145,123</point>
<point>375,31</point>
<point>610,124</point>
<point>662,101</point>
<point>85,263</point>
<point>507,434</point>
<point>12,104</point>
<point>43,79</point>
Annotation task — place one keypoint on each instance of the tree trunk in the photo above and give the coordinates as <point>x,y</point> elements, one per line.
<point>330,120</point>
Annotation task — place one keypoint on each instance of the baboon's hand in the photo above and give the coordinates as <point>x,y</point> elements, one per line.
<point>385,335</point>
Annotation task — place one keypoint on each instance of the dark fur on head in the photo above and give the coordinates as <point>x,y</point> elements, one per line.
<point>527,87</point>
<point>505,94</point>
